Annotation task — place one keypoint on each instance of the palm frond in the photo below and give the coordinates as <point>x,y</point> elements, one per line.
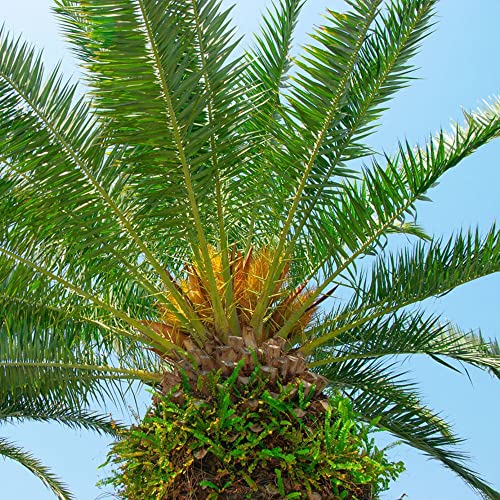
<point>186,145</point>
<point>49,479</point>
<point>49,354</point>
<point>383,396</point>
<point>270,60</point>
<point>315,99</point>
<point>269,65</point>
<point>45,411</point>
<point>40,117</point>
<point>364,211</point>
<point>382,69</point>
<point>409,333</point>
<point>397,280</point>
<point>379,70</point>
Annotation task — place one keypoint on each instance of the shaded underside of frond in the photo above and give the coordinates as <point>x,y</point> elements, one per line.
<point>54,353</point>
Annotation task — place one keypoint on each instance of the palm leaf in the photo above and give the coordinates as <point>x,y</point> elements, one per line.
<point>382,396</point>
<point>315,99</point>
<point>50,480</point>
<point>65,358</point>
<point>198,105</point>
<point>365,211</point>
<point>410,333</point>
<point>411,276</point>
<point>381,70</point>
<point>38,116</point>
<point>270,63</point>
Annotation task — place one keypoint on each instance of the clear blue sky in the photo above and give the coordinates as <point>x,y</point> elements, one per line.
<point>459,67</point>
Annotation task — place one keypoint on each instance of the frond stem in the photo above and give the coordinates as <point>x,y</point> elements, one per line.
<point>277,261</point>
<point>220,317</point>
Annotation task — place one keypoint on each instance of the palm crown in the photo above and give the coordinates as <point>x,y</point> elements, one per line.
<point>192,197</point>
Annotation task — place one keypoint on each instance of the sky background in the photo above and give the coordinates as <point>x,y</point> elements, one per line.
<point>459,66</point>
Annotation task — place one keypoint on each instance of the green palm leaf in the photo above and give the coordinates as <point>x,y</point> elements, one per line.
<point>365,211</point>
<point>410,333</point>
<point>411,276</point>
<point>380,394</point>
<point>51,481</point>
<point>315,103</point>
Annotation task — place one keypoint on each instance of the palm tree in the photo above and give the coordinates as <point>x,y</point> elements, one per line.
<point>194,209</point>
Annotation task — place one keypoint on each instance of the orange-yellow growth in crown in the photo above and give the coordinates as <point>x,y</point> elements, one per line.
<point>248,274</point>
